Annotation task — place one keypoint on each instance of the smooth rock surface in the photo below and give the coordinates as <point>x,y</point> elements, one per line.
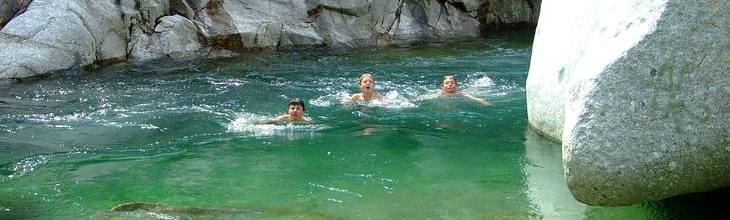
<point>645,91</point>
<point>85,31</point>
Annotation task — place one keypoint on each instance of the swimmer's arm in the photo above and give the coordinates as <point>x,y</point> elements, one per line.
<point>280,118</point>
<point>425,97</point>
<point>480,100</point>
<point>381,98</point>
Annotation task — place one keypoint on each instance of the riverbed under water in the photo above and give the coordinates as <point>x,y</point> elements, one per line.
<point>182,135</point>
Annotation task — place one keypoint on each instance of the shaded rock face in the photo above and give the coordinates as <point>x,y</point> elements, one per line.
<point>62,34</point>
<point>10,8</point>
<point>495,15</point>
<point>7,10</point>
<point>645,94</point>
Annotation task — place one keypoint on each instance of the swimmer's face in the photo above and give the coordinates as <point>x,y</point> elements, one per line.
<point>296,111</point>
<point>367,83</point>
<point>449,85</point>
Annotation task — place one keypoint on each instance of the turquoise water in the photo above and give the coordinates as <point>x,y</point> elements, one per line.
<point>180,134</point>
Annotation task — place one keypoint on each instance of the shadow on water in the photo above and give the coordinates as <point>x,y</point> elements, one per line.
<point>551,198</point>
<point>705,205</point>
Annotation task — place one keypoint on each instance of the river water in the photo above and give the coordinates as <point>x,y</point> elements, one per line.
<point>182,135</point>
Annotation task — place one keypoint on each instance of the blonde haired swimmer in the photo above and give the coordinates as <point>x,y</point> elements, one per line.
<point>367,88</point>
<point>295,113</point>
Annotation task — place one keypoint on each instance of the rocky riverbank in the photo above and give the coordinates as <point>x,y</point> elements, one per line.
<point>46,35</point>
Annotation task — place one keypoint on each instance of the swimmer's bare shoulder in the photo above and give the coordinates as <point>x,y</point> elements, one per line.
<point>356,97</point>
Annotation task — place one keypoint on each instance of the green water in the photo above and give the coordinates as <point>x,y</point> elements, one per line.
<point>179,133</point>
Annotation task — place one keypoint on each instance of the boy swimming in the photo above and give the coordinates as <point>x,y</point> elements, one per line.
<point>449,88</point>
<point>367,88</point>
<point>295,113</point>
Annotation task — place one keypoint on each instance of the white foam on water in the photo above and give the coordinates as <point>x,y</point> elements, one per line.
<point>331,99</point>
<point>391,99</point>
<point>484,81</point>
<point>245,123</point>
<point>430,94</point>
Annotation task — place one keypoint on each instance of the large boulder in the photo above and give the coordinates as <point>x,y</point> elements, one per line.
<point>85,32</point>
<point>645,91</point>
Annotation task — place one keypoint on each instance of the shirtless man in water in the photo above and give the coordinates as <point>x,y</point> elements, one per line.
<point>449,88</point>
<point>367,88</point>
<point>295,113</point>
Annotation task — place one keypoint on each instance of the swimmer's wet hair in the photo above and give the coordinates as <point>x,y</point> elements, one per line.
<point>448,75</point>
<point>364,75</point>
<point>297,101</point>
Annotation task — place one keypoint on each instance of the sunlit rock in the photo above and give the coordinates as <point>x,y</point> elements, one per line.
<point>645,92</point>
<point>242,25</point>
<point>86,32</point>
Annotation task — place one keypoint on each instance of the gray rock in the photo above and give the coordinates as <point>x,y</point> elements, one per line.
<point>299,35</point>
<point>183,8</point>
<point>447,22</point>
<point>174,36</point>
<point>496,15</point>
<point>350,24</point>
<point>345,24</point>
<point>470,5</point>
<point>30,59</point>
<point>645,92</point>
<point>242,25</point>
<point>90,31</point>
<point>7,10</point>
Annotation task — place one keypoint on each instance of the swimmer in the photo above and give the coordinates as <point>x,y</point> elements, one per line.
<point>367,88</point>
<point>295,113</point>
<point>449,88</point>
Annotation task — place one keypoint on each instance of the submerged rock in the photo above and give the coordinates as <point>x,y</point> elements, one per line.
<point>140,210</point>
<point>645,95</point>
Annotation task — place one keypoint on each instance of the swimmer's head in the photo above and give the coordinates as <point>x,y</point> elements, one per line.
<point>367,82</point>
<point>449,84</point>
<point>296,108</point>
